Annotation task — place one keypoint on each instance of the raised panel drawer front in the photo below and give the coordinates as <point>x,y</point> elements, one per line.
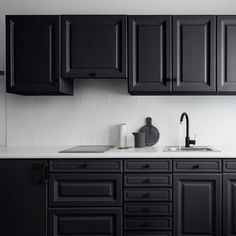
<point>197,165</point>
<point>158,233</point>
<point>85,222</point>
<point>148,223</point>
<point>85,190</point>
<point>229,165</point>
<point>86,166</point>
<point>148,165</point>
<point>148,195</point>
<point>162,209</point>
<point>148,180</point>
<point>94,46</point>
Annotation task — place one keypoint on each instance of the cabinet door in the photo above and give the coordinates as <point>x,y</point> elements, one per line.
<point>194,53</point>
<point>94,46</point>
<point>23,198</point>
<point>226,53</point>
<point>197,204</point>
<point>149,54</point>
<point>229,205</point>
<point>85,221</point>
<point>33,56</point>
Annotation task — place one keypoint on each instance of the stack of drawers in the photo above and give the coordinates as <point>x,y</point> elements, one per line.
<point>148,197</point>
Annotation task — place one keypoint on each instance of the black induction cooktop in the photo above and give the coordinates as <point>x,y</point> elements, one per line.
<point>88,149</point>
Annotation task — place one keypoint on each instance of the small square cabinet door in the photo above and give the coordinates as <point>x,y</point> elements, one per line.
<point>94,46</point>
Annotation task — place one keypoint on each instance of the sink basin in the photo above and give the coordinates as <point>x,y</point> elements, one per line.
<point>189,149</point>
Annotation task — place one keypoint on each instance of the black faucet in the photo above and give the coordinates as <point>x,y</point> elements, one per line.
<point>188,141</point>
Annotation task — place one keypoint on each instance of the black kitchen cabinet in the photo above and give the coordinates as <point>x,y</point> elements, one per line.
<point>229,204</point>
<point>226,53</point>
<point>85,221</point>
<point>23,197</point>
<point>33,56</point>
<point>149,54</point>
<point>197,204</point>
<point>194,56</point>
<point>94,46</point>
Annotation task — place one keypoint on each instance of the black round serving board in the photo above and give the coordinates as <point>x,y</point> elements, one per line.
<point>152,134</point>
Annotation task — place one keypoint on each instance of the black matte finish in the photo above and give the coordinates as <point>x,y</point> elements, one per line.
<point>85,190</point>
<point>197,204</point>
<point>149,54</point>
<point>226,53</point>
<point>148,165</point>
<point>85,166</point>
<point>229,204</point>
<point>85,221</point>
<point>197,165</point>
<point>94,46</point>
<point>194,40</point>
<point>33,56</point>
<point>23,198</point>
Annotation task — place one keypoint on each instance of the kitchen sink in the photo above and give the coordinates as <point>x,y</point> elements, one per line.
<point>189,149</point>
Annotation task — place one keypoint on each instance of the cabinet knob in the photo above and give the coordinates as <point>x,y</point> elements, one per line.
<point>195,166</point>
<point>92,74</point>
<point>84,165</point>
<point>146,195</point>
<point>146,181</point>
<point>147,166</point>
<point>146,209</point>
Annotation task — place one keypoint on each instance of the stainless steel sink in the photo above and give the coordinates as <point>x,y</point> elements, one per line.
<point>189,149</point>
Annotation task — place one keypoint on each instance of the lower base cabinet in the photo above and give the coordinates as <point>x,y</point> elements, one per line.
<point>85,221</point>
<point>229,204</point>
<point>197,204</point>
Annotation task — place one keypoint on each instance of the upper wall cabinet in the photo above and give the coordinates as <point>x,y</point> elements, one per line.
<point>33,56</point>
<point>226,51</point>
<point>194,53</point>
<point>149,54</point>
<point>94,46</point>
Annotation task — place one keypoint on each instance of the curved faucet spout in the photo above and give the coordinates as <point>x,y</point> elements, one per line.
<point>188,141</point>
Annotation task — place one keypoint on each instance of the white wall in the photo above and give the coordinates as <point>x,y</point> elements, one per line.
<point>91,116</point>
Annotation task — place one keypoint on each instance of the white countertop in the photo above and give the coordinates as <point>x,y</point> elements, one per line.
<point>148,152</point>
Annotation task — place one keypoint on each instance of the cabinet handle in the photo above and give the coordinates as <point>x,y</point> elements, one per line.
<point>147,166</point>
<point>146,209</point>
<point>195,166</point>
<point>45,173</point>
<point>92,74</point>
<point>146,181</point>
<point>146,195</point>
<point>84,165</point>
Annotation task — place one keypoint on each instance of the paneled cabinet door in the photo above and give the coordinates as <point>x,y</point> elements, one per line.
<point>23,197</point>
<point>229,204</point>
<point>94,46</point>
<point>33,61</point>
<point>197,204</point>
<point>149,54</point>
<point>226,53</point>
<point>194,54</point>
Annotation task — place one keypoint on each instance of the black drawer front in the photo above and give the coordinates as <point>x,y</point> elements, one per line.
<point>148,223</point>
<point>148,233</point>
<point>162,209</point>
<point>85,221</point>
<point>148,180</point>
<point>86,166</point>
<point>148,195</point>
<point>148,165</point>
<point>85,190</point>
<point>198,165</point>
<point>229,165</point>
